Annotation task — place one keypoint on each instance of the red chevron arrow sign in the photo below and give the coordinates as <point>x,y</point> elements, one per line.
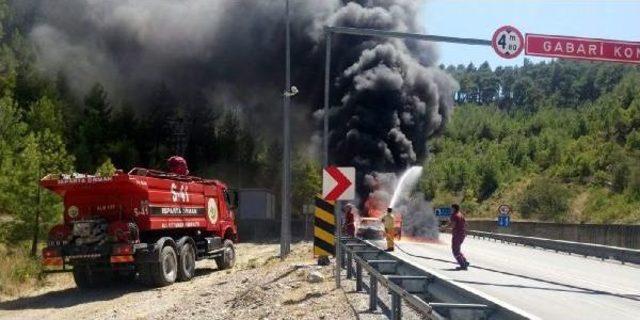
<point>338,183</point>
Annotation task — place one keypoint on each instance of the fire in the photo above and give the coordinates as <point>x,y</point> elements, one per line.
<point>377,203</point>
<point>375,207</point>
<point>414,217</point>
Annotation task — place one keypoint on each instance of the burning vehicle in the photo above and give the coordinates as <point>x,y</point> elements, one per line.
<point>370,228</point>
<point>370,225</point>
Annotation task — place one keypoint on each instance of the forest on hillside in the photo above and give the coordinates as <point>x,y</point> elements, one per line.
<point>45,128</point>
<point>556,141</point>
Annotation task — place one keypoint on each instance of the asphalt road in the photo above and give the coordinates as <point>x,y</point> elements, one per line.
<point>544,283</point>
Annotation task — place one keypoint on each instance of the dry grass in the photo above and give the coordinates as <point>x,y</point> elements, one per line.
<point>18,271</point>
<point>577,207</point>
<point>505,195</point>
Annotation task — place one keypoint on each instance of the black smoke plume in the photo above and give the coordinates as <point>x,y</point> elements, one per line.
<point>388,97</point>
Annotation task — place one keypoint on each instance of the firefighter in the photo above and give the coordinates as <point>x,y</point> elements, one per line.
<point>178,165</point>
<point>389,228</point>
<point>349,226</point>
<point>458,233</point>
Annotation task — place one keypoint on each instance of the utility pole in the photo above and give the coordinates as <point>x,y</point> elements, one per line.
<point>285,227</point>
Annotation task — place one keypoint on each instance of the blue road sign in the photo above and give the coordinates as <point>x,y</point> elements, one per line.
<point>444,212</point>
<point>504,220</point>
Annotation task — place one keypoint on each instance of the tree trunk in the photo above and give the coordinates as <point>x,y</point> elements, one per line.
<point>36,225</point>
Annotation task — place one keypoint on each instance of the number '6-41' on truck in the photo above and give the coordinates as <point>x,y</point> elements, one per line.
<point>148,223</point>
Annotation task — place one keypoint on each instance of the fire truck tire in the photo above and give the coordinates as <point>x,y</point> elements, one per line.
<point>164,272</point>
<point>228,258</point>
<point>87,277</point>
<point>186,262</point>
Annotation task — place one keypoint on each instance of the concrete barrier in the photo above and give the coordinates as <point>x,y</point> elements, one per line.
<point>626,236</point>
<point>586,249</point>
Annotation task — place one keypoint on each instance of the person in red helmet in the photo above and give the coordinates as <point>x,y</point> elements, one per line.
<point>178,165</point>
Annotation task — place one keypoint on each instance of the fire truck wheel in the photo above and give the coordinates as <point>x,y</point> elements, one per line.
<point>228,258</point>
<point>186,262</point>
<point>86,277</point>
<point>166,271</point>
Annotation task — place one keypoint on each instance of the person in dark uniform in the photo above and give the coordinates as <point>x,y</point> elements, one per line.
<point>349,227</point>
<point>458,233</point>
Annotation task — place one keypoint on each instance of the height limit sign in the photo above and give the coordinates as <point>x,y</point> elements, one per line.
<point>508,42</point>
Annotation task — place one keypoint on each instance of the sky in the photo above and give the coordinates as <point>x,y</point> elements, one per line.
<point>618,20</point>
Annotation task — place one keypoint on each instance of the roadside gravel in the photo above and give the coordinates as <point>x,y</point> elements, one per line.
<point>261,286</point>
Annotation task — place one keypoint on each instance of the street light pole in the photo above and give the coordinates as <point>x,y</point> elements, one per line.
<point>285,227</point>
<point>327,75</point>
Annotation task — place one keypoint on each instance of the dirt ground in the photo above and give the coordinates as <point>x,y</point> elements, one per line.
<point>261,286</point>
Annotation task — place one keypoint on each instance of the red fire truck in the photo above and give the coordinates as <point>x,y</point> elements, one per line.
<point>148,223</point>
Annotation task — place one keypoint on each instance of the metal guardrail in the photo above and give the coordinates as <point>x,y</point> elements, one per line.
<point>433,296</point>
<point>585,249</point>
<point>616,235</point>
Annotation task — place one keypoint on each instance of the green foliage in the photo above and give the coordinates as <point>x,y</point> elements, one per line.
<point>633,140</point>
<point>582,130</point>
<point>564,84</point>
<point>428,185</point>
<point>94,130</point>
<point>620,177</point>
<point>457,173</point>
<point>32,141</point>
<point>106,169</point>
<point>604,206</point>
<point>633,187</point>
<point>307,181</point>
<point>27,159</point>
<point>488,181</point>
<point>544,199</point>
